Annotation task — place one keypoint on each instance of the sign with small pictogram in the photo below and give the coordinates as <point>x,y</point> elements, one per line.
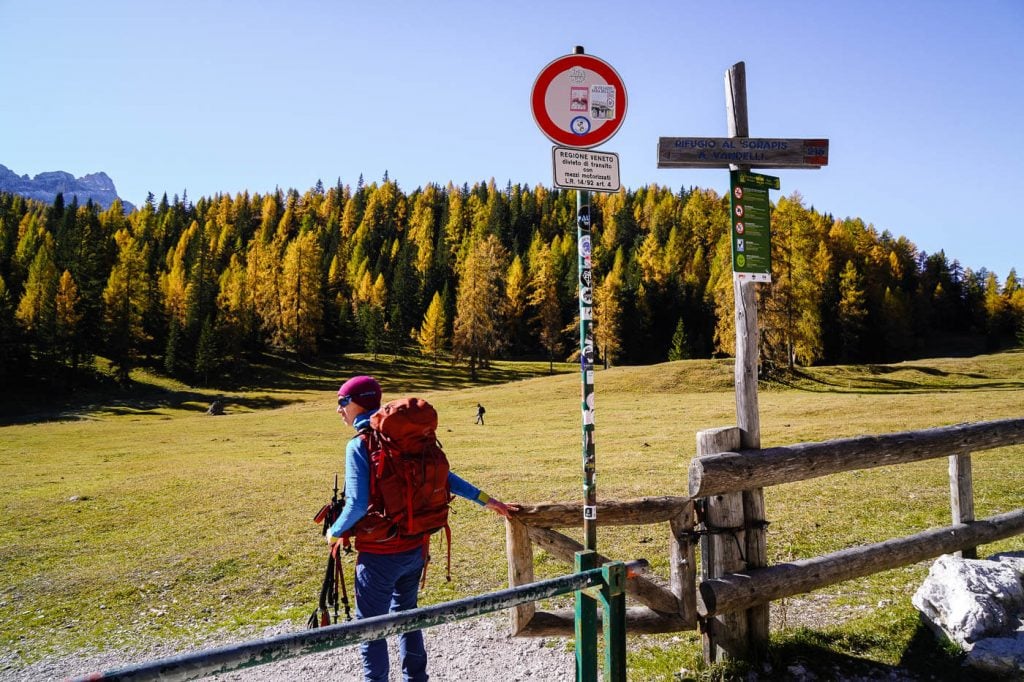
<point>578,101</point>
<point>751,224</point>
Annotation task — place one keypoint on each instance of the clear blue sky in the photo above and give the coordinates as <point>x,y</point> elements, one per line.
<point>922,101</point>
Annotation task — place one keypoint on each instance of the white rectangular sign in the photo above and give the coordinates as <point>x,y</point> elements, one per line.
<point>585,169</point>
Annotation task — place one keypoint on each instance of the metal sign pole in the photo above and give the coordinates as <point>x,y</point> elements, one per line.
<point>587,369</point>
<point>586,606</point>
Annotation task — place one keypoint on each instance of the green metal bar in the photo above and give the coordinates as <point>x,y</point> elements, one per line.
<point>613,605</point>
<point>257,652</point>
<point>586,623</point>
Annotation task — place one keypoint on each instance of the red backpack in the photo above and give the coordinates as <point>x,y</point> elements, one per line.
<point>409,491</point>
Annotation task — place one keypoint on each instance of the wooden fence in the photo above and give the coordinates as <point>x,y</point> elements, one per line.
<point>732,594</point>
<point>729,587</point>
<point>666,608</point>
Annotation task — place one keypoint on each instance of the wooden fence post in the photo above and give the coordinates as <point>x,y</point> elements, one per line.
<point>519,551</point>
<point>961,496</point>
<point>723,636</point>
<point>683,576</point>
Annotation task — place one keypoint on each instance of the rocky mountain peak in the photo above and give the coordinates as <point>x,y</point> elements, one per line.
<point>46,186</point>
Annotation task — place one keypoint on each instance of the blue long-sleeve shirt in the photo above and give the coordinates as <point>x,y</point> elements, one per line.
<point>357,482</point>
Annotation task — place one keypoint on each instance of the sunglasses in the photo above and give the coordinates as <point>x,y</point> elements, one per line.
<point>344,400</point>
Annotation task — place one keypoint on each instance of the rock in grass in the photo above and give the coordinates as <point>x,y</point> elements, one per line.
<point>979,604</point>
<point>1003,656</point>
<point>970,599</point>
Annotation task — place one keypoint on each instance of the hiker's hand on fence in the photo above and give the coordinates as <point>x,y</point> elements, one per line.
<point>499,507</point>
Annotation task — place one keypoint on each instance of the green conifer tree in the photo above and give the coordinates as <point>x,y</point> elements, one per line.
<point>172,349</point>
<point>207,354</point>
<point>11,350</point>
<point>679,349</point>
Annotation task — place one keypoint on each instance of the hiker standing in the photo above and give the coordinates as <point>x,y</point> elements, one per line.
<point>387,572</point>
<point>480,414</point>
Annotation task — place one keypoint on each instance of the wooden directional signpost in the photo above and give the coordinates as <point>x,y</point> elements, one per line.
<point>751,152</point>
<point>731,635</point>
<point>579,102</point>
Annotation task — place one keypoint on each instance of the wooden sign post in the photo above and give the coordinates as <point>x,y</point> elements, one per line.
<point>731,635</point>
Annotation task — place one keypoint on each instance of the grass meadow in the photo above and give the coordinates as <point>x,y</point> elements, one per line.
<point>131,516</point>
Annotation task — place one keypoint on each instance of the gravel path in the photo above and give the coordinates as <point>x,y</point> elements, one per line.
<point>476,649</point>
<point>473,649</point>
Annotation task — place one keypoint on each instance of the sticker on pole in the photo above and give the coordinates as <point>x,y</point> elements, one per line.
<point>578,101</point>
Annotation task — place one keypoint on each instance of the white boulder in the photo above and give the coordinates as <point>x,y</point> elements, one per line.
<point>979,604</point>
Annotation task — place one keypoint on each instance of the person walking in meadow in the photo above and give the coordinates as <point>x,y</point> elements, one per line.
<point>391,561</point>
<point>480,414</point>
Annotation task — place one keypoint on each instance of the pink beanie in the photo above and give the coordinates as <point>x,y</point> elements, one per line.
<point>363,390</point>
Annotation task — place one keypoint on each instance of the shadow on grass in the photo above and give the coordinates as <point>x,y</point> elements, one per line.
<point>834,655</point>
<point>137,400</point>
<point>97,394</point>
<point>398,374</point>
<point>410,376</point>
<point>872,381</point>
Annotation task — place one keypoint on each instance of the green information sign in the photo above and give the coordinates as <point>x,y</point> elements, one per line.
<point>751,224</point>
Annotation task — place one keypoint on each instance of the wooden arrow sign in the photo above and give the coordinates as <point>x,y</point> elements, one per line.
<point>749,152</point>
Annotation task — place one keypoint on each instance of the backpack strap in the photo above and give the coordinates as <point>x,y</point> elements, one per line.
<point>365,434</point>
<point>426,556</point>
<point>371,439</point>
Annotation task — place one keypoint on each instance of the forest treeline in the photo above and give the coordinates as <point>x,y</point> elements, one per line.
<point>465,273</point>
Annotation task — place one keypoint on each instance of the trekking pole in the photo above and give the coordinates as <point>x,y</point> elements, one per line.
<point>334,507</point>
<point>334,592</point>
<point>340,580</point>
<point>321,615</point>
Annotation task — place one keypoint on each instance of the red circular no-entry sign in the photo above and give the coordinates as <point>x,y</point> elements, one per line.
<point>578,101</point>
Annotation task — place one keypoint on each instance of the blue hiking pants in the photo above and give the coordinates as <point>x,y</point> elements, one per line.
<point>386,583</point>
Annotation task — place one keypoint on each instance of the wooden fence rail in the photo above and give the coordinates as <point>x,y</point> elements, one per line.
<point>665,608</point>
<point>730,472</point>
<point>735,592</point>
<point>731,589</point>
